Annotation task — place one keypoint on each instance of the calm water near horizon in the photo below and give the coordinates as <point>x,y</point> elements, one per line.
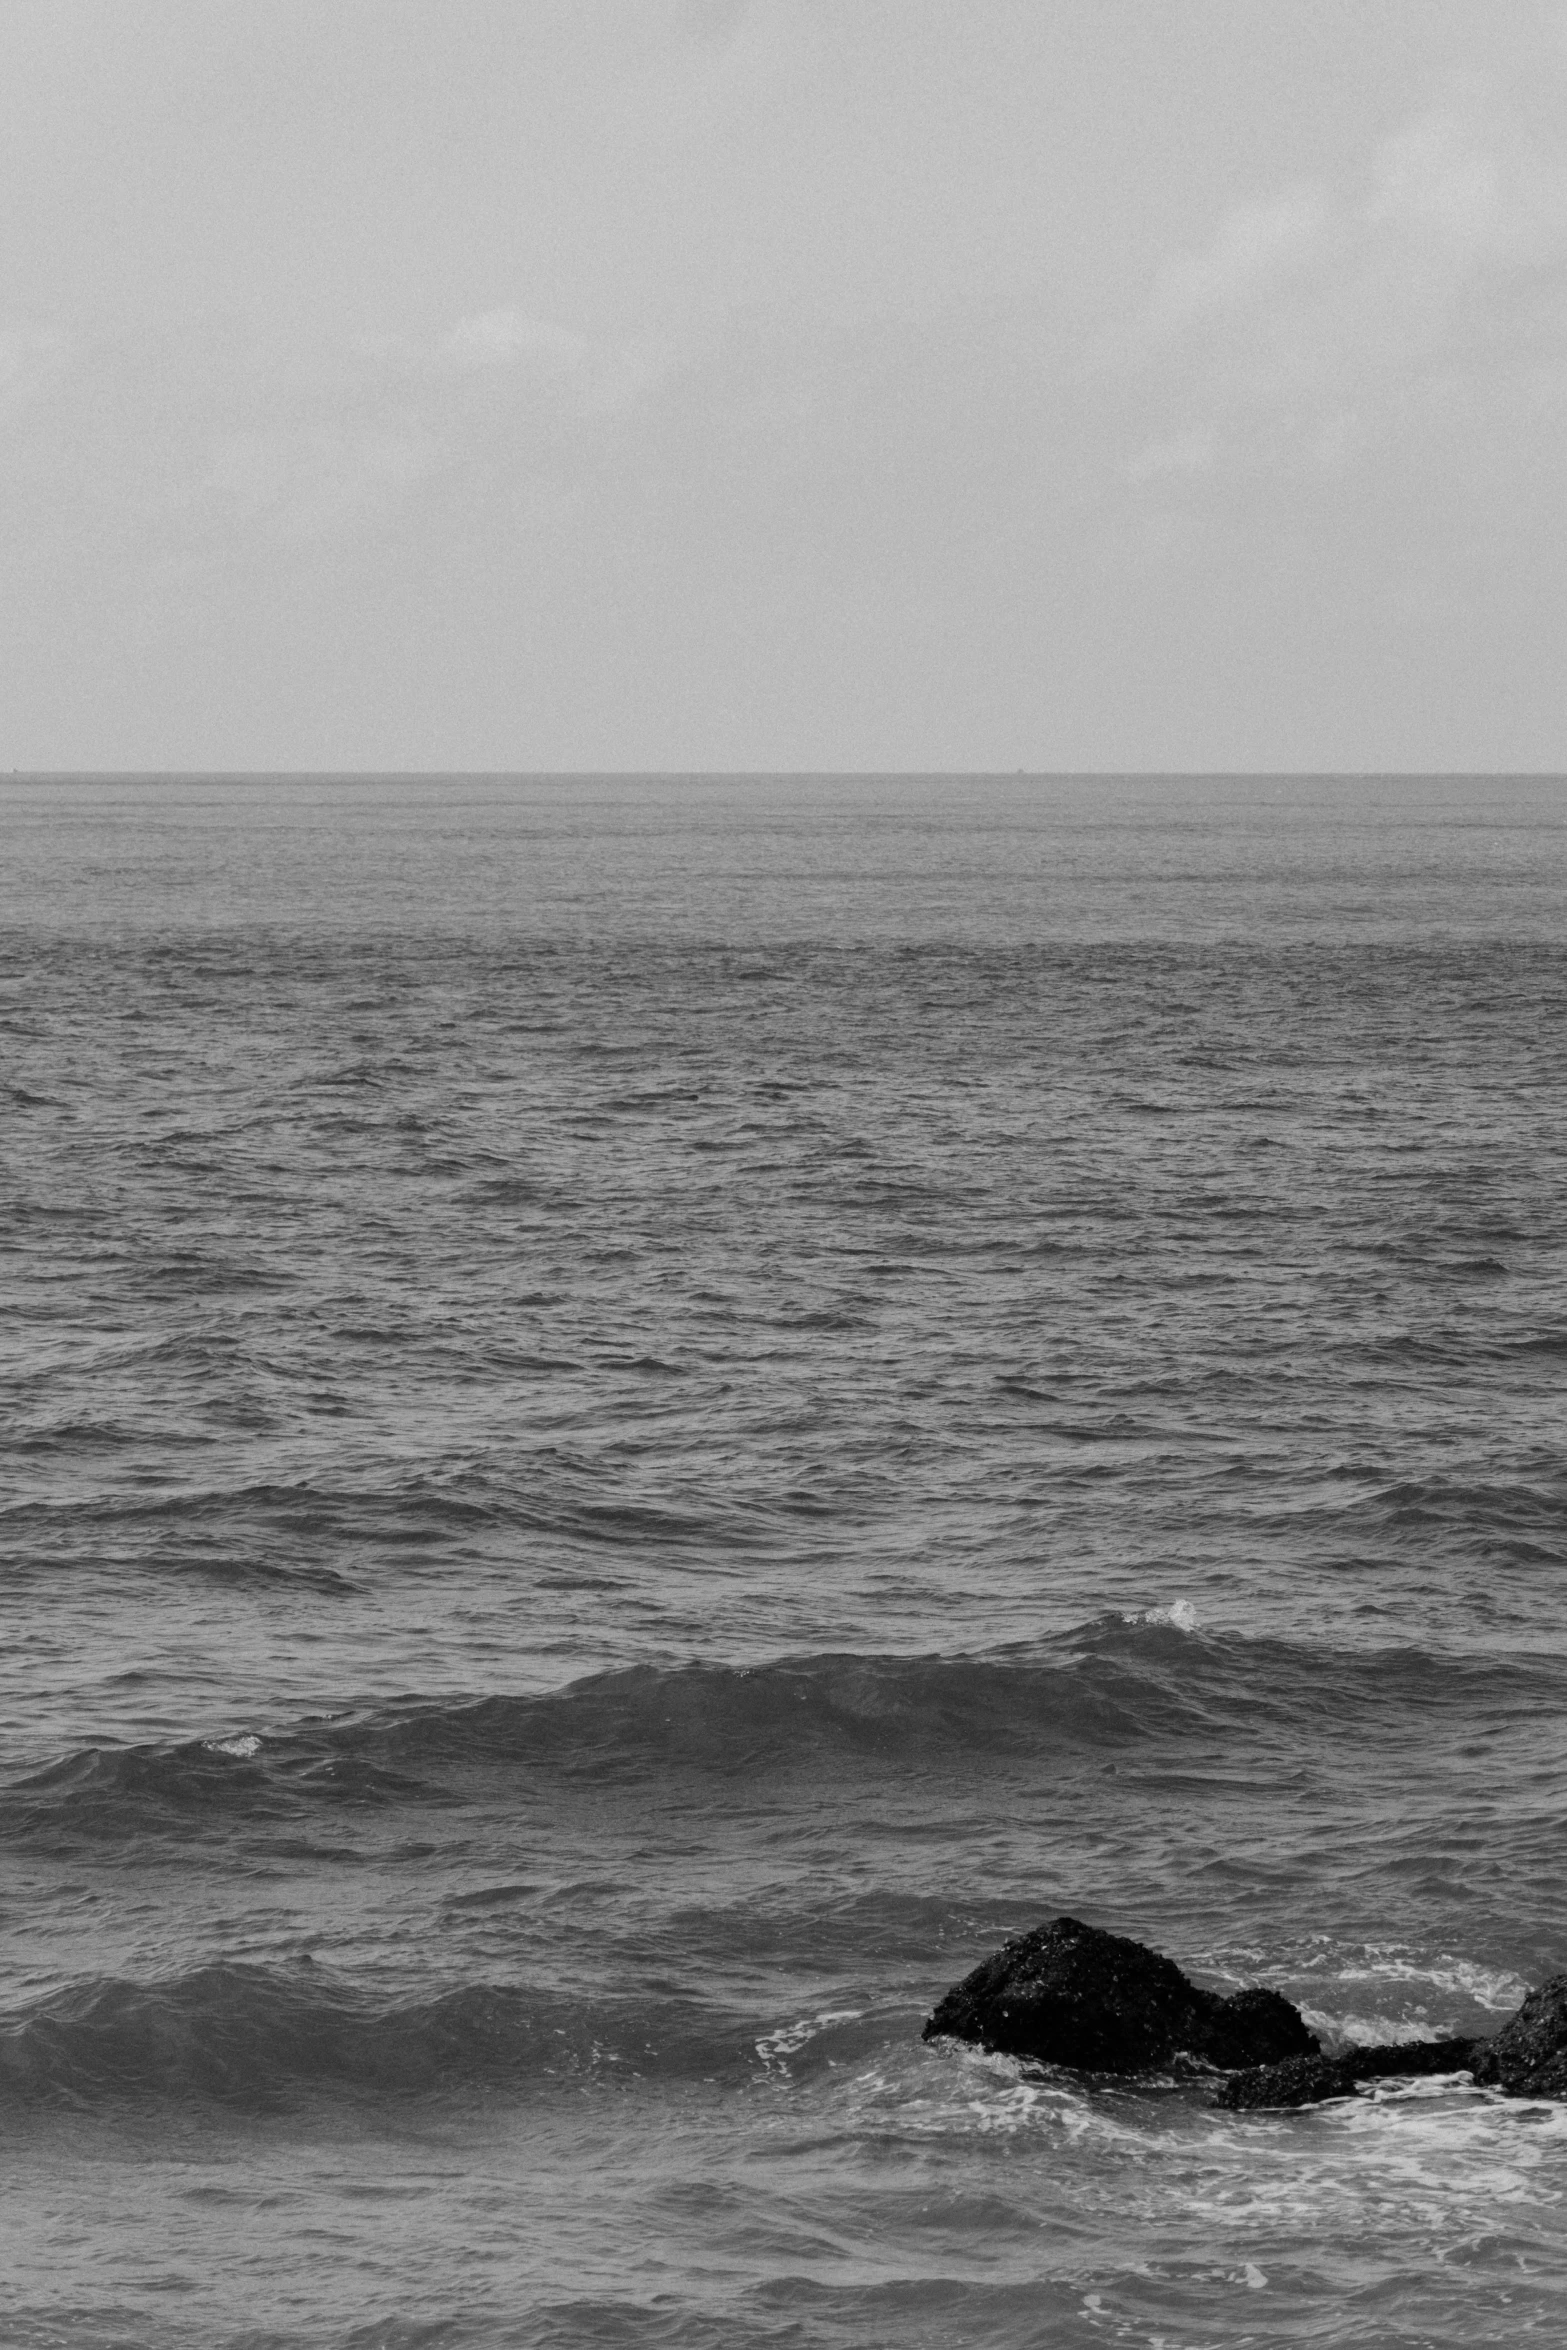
<point>639,1415</point>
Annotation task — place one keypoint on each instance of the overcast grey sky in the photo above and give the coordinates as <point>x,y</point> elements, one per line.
<point>800,383</point>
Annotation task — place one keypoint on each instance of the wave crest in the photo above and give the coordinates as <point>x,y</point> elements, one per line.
<point>250,2034</point>
<point>1114,1685</point>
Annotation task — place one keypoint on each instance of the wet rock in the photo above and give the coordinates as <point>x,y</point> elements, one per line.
<point>1528,2056</point>
<point>1069,1994</point>
<point>1310,2080</point>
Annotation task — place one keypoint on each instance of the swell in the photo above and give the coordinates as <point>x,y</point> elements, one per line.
<point>1517,1519</point>
<point>333,1538</point>
<point>233,1532</point>
<point>1110,1688</point>
<point>249,2034</point>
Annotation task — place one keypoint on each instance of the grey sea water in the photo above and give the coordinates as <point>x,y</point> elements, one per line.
<point>639,1415</point>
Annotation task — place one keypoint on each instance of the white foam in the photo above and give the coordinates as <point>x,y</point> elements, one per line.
<point>1495,1988</point>
<point>773,2047</point>
<point>1436,2153</point>
<point>1369,2031</point>
<point>244,1745</point>
<point>989,2097</point>
<point>1180,1613</point>
<point>1399,2091</point>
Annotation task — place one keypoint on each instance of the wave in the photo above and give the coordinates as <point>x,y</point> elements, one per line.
<point>1117,1681</point>
<point>300,1508</point>
<point>331,1534</point>
<point>125,1790</point>
<point>249,2035</point>
<point>1155,1684</point>
<point>216,1529</point>
<point>1517,1520</point>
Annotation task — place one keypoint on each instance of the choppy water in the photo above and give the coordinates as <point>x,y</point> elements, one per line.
<point>637,1417</point>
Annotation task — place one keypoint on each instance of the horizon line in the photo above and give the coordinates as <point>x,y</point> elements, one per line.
<point>780,774</point>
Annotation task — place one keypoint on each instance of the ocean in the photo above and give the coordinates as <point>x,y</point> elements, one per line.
<point>640,1414</point>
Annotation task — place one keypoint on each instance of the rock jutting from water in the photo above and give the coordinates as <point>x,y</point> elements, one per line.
<point>1073,1995</point>
<point>1526,2058</point>
<point>1311,2080</point>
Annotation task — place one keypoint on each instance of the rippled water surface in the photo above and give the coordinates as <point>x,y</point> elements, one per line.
<point>642,1414</point>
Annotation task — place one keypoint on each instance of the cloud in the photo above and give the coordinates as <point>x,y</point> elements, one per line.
<point>203,446</point>
<point>311,481</point>
<point>507,338</point>
<point>1482,201</point>
<point>1414,289</point>
<point>1252,251</point>
<point>30,358</point>
<point>1186,453</point>
<point>1460,190</point>
<point>605,382</point>
<point>630,375</point>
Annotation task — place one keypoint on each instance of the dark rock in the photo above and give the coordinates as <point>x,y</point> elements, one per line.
<point>1528,2057</point>
<point>1069,1994</point>
<point>1309,2080</point>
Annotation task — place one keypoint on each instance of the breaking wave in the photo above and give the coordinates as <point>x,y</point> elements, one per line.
<point>1153,1683</point>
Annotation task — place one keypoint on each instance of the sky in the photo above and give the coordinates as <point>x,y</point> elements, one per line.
<point>783,384</point>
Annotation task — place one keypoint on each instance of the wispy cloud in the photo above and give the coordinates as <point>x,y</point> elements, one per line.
<point>1479,194</point>
<point>606,380</point>
<point>1313,320</point>
<point>31,356</point>
<point>1183,453</point>
<point>508,338</point>
<point>1254,250</point>
<point>200,446</point>
<point>630,374</point>
<point>308,481</point>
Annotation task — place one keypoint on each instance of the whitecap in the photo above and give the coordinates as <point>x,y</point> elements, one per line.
<point>1369,2031</point>
<point>773,2047</point>
<point>1180,1613</point>
<point>987,2095</point>
<point>1436,2153</point>
<point>1495,1988</point>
